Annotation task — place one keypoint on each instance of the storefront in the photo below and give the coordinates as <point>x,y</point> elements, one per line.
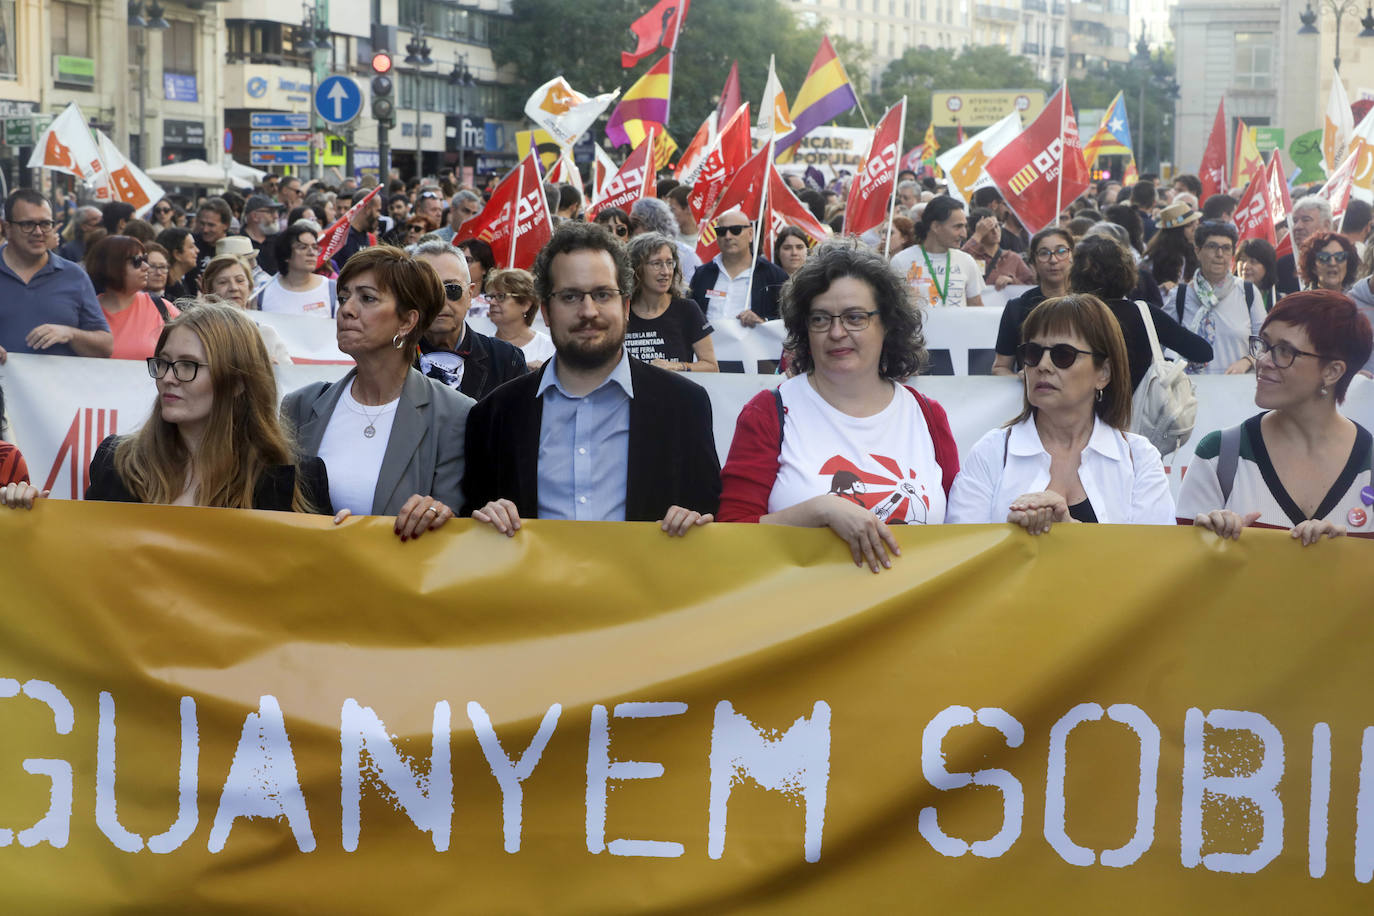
<point>182,140</point>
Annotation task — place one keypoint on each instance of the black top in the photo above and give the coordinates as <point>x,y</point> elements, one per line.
<point>355,242</point>
<point>1288,279</point>
<point>273,492</point>
<point>488,363</point>
<point>670,336</point>
<point>266,249</point>
<point>1083,512</point>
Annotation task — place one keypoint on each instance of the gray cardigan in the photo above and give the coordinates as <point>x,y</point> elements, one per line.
<point>425,452</point>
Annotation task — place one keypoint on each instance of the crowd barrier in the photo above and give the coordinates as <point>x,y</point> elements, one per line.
<point>61,407</point>
<point>243,711</point>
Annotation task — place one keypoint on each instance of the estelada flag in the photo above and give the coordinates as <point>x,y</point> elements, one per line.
<point>1248,162</point>
<point>633,182</point>
<point>516,222</point>
<point>1027,170</point>
<point>729,153</point>
<point>1212,171</point>
<point>656,29</point>
<point>877,179</point>
<point>67,146</point>
<point>337,233</point>
<point>745,191</point>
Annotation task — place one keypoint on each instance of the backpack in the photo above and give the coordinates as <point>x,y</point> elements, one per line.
<point>1164,405</point>
<point>1183,294</point>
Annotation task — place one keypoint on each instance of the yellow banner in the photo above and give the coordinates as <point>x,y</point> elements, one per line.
<point>208,710</point>
<point>983,107</point>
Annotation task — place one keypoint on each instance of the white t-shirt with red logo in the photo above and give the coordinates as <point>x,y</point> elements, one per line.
<point>885,463</point>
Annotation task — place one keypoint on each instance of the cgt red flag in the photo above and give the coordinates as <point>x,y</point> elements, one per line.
<point>729,153</point>
<point>745,191</point>
<point>784,209</point>
<point>656,29</point>
<point>516,221</point>
<point>337,233</point>
<point>877,179</point>
<point>1027,170</point>
<point>1255,212</point>
<point>1212,171</point>
<point>633,182</point>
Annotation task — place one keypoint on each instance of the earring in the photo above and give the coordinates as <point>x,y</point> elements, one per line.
<point>1322,392</point>
<point>397,341</point>
<point>1099,395</point>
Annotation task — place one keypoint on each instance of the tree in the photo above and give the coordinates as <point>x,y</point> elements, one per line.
<point>919,72</point>
<point>582,40</point>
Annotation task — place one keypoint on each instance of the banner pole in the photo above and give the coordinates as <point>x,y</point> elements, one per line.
<point>896,170</point>
<point>1059,185</point>
<point>763,211</point>
<point>515,207</point>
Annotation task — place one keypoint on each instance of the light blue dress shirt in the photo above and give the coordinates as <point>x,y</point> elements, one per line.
<point>584,447</point>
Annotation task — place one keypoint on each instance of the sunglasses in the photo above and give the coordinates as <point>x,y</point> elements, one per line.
<point>139,260</point>
<point>453,291</point>
<point>620,230</point>
<point>1331,257</point>
<point>730,230</point>
<point>162,211</point>
<point>1062,355</point>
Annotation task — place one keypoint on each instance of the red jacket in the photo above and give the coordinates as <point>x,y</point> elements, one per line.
<point>752,467</point>
<point>12,466</point>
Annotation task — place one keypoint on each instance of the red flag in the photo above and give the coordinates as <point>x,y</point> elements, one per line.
<point>1027,170</point>
<point>745,191</point>
<point>656,29</point>
<point>911,162</point>
<point>730,95</point>
<point>692,155</point>
<point>877,179</point>
<point>1212,172</point>
<point>1279,199</point>
<point>731,150</point>
<point>335,236</point>
<point>633,182</point>
<point>784,209</point>
<point>516,221</point>
<point>1254,214</point>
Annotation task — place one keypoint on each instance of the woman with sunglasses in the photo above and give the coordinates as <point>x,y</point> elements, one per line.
<point>616,221</point>
<point>214,438</point>
<point>297,289</point>
<point>844,443</point>
<point>665,329</point>
<point>164,215</point>
<point>512,307</point>
<point>1299,464</point>
<point>1050,255</point>
<point>1068,456</point>
<point>118,267</point>
<point>1329,261</point>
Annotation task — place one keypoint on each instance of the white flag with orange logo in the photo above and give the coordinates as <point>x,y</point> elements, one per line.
<point>126,181</point>
<point>965,163</point>
<point>67,146</point>
<point>1339,126</point>
<point>774,118</point>
<point>564,112</point>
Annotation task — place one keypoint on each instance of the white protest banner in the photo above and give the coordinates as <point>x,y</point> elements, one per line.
<point>832,150</point>
<point>997,298</point>
<point>308,338</point>
<point>61,407</point>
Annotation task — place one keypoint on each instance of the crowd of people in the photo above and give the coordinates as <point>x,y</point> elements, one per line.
<point>575,405</point>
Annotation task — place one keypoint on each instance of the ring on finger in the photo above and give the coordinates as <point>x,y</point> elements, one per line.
<point>432,509</point>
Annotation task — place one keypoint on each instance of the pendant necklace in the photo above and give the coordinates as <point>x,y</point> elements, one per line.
<point>371,429</point>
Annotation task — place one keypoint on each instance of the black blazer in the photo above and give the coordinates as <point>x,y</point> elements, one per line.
<point>273,492</point>
<point>488,363</point>
<point>672,451</point>
<point>763,295</point>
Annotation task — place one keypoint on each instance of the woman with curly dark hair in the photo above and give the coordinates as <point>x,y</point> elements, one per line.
<point>1329,261</point>
<point>844,444</point>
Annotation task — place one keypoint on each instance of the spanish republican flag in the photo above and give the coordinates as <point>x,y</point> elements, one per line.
<point>825,95</point>
<point>645,103</point>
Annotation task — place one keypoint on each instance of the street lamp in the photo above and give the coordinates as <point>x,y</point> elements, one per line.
<point>418,57</point>
<point>1338,10</point>
<point>154,22</point>
<point>1142,63</point>
<point>312,36</point>
<point>461,77</point>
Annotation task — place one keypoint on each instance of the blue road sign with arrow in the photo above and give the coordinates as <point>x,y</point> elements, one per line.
<point>338,100</point>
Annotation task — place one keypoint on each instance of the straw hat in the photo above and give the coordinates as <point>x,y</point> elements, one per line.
<point>1177,215</point>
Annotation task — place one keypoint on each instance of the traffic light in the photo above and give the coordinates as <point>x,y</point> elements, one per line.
<point>383,108</point>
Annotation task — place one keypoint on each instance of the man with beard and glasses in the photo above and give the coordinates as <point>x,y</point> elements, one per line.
<point>594,435</point>
<point>450,351</point>
<point>362,228</point>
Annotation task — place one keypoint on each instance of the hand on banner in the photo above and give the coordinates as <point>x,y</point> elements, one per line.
<point>677,521</point>
<point>49,335</point>
<point>870,540</point>
<point>500,514</point>
<point>1036,512</point>
<point>420,514</point>
<point>749,318</point>
<point>1314,529</point>
<point>22,496</point>
<point>1226,524</point>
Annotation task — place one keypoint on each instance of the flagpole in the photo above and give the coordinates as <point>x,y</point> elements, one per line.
<point>515,207</point>
<point>1059,184</point>
<point>763,209</point>
<point>892,198</point>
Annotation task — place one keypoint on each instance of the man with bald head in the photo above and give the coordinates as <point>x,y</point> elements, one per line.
<point>450,351</point>
<point>735,284</point>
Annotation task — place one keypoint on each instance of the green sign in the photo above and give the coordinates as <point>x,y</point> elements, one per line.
<point>76,70</point>
<point>1268,139</point>
<point>19,131</point>
<point>1306,152</point>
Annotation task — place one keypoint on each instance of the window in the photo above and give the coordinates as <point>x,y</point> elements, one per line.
<point>71,29</point>
<point>178,48</point>
<point>1254,60</point>
<point>9,63</point>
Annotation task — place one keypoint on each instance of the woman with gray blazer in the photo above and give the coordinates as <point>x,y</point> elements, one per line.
<point>391,438</point>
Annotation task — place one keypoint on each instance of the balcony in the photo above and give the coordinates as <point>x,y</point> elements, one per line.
<point>1030,47</point>
<point>1058,9</point>
<point>997,13</point>
<point>1035,6</point>
<point>1057,51</point>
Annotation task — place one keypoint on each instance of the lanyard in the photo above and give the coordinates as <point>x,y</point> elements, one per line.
<point>934,279</point>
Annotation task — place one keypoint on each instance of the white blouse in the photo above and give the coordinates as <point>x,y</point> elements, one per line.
<point>1121,473</point>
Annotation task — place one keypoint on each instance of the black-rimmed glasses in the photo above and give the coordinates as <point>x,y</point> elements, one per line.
<point>852,320</point>
<point>183,370</point>
<point>1282,355</point>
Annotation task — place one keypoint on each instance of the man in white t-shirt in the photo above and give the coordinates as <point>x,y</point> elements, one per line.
<point>937,270</point>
